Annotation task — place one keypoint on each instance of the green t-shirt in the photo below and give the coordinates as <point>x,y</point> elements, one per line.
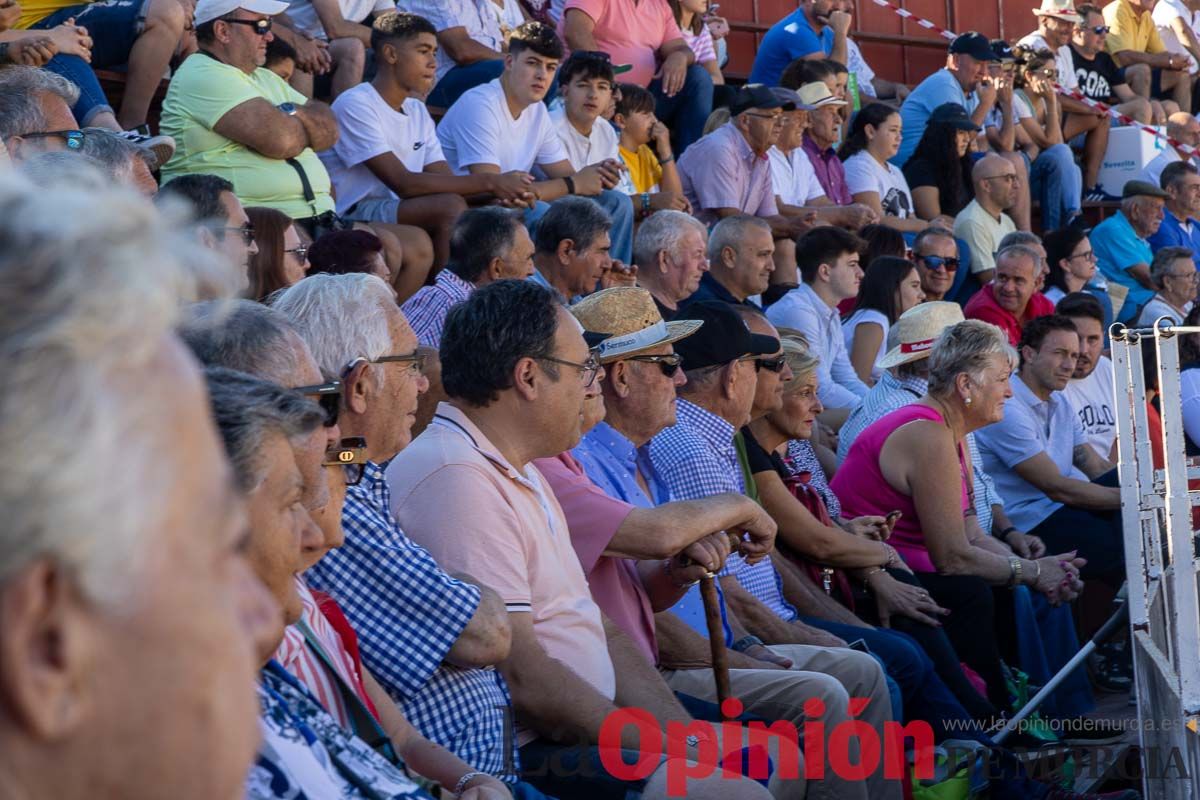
<point>202,91</point>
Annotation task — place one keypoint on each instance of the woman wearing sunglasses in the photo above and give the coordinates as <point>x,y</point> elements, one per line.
<point>281,259</point>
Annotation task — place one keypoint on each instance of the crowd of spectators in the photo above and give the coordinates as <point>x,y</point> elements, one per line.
<point>465,371</point>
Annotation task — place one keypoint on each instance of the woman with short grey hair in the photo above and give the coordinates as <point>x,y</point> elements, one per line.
<point>914,461</point>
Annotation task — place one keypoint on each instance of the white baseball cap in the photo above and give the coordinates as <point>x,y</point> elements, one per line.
<point>208,10</point>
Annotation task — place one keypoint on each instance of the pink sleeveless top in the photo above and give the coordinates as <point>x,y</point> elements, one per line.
<point>860,485</point>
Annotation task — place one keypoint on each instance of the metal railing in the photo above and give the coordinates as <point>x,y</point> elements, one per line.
<point>1160,560</point>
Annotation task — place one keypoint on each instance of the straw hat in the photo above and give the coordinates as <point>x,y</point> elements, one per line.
<point>630,318</point>
<point>1059,9</point>
<point>918,328</point>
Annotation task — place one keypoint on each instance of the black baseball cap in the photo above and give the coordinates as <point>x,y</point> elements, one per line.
<point>756,95</point>
<point>1004,53</point>
<point>955,115</point>
<point>975,45</point>
<point>722,338</point>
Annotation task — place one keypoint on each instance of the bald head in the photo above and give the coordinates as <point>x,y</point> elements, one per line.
<point>995,181</point>
<point>990,166</point>
<point>1184,127</point>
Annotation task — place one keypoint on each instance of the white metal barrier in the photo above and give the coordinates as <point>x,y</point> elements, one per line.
<point>1161,562</point>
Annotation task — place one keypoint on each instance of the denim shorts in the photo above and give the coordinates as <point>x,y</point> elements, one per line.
<point>114,25</point>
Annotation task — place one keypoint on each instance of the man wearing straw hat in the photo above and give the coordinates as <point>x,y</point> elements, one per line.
<point>642,372</point>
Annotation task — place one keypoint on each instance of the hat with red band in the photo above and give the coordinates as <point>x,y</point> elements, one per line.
<point>913,335</point>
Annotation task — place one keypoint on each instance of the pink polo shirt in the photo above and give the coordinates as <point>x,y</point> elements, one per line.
<point>631,31</point>
<point>594,518</point>
<point>456,495</point>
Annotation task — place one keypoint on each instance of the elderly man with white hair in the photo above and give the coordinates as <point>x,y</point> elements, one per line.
<point>426,637</point>
<point>670,252</point>
<point>131,616</point>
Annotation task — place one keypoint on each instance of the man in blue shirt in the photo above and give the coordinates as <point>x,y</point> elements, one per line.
<point>1181,181</point>
<point>1041,462</point>
<point>962,81</point>
<point>814,30</point>
<point>1123,253</point>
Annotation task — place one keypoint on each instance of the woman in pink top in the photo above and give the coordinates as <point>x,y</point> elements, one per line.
<point>914,460</point>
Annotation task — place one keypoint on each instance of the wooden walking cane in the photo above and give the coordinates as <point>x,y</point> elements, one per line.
<point>716,628</point>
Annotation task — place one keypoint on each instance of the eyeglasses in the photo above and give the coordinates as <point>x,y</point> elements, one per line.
<point>774,364</point>
<point>668,364</point>
<point>775,118</point>
<point>1089,255</point>
<point>261,26</point>
<point>299,251</point>
<point>416,358</point>
<point>1005,178</point>
<point>937,262</point>
<point>246,232</point>
<point>587,370</point>
<point>1187,276</point>
<point>350,454</point>
<point>329,396</point>
<point>74,139</point>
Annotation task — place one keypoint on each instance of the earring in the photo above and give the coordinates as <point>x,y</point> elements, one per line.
<point>967,402</point>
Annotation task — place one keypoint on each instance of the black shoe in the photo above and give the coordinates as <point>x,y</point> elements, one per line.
<point>1067,794</point>
<point>1096,194</point>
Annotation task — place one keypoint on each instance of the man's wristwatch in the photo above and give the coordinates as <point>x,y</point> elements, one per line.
<point>745,643</point>
<point>288,108</point>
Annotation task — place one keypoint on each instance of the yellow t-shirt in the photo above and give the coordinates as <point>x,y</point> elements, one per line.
<point>202,91</point>
<point>644,170</point>
<point>1128,31</point>
<point>36,10</point>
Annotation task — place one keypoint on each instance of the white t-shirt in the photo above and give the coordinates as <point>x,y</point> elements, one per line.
<point>1091,399</point>
<point>1157,308</point>
<point>369,127</point>
<point>304,16</point>
<point>793,178</point>
<point>1020,111</point>
<point>1062,59</point>
<point>479,129</point>
<point>1166,12</point>
<point>856,319</point>
<point>1054,294</point>
<point>583,151</point>
<point>865,174</point>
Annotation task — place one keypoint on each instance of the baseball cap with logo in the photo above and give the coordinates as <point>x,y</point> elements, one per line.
<point>723,337</point>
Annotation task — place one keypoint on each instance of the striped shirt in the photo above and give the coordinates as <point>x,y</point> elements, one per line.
<point>427,309</point>
<point>696,458</point>
<point>299,659</point>
<point>701,43</point>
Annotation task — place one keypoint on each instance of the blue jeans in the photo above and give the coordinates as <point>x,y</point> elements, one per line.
<point>620,210</point>
<point>460,79</point>
<point>114,26</point>
<point>906,662</point>
<point>1057,183</point>
<point>686,112</point>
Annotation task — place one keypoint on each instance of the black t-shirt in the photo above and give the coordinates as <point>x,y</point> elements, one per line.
<point>920,172</point>
<point>759,459</point>
<point>1098,77</point>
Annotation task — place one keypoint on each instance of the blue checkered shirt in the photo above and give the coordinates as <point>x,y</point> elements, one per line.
<point>427,309</point>
<point>892,393</point>
<point>696,458</point>
<point>408,613</point>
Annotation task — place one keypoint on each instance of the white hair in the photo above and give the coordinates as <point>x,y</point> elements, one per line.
<point>966,347</point>
<point>341,317</point>
<point>90,284</point>
<point>663,230</point>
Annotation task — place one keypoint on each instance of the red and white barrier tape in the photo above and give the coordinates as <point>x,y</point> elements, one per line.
<point>1071,93</point>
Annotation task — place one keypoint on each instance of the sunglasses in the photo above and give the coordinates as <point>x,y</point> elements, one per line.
<point>74,139</point>
<point>669,365</point>
<point>1099,30</point>
<point>937,262</point>
<point>351,454</point>
<point>261,26</point>
<point>775,364</point>
<point>328,396</point>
